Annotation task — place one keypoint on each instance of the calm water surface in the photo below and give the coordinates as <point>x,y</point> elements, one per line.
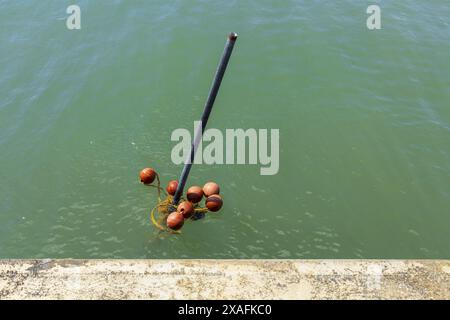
<point>364,119</point>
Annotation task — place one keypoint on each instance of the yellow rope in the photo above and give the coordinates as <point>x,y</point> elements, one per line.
<point>163,209</point>
<point>152,218</point>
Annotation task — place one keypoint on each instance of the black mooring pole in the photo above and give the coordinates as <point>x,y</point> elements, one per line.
<point>205,116</point>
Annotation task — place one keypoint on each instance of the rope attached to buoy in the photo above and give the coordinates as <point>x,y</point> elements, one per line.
<point>163,206</point>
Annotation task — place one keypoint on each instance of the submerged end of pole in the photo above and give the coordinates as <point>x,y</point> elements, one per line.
<point>232,36</point>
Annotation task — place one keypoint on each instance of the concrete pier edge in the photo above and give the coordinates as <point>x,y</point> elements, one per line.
<point>224,279</point>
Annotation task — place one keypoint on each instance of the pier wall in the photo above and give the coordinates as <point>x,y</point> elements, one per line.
<point>224,279</point>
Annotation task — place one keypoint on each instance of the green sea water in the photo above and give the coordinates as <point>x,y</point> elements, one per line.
<point>364,120</point>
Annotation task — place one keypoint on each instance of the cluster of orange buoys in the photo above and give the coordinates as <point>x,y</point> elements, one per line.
<point>189,206</point>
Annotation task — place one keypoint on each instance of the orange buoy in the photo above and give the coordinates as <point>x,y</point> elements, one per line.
<point>194,194</point>
<point>214,202</point>
<point>175,220</point>
<point>172,187</point>
<point>147,175</point>
<point>186,208</point>
<point>211,188</point>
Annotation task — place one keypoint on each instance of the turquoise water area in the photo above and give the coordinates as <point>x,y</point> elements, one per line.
<point>364,120</point>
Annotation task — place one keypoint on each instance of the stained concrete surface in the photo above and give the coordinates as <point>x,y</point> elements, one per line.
<point>224,279</point>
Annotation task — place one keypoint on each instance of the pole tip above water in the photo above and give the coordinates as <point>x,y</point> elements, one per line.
<point>232,36</point>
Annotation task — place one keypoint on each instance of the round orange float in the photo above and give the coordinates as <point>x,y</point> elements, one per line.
<point>214,202</point>
<point>172,187</point>
<point>211,188</point>
<point>194,194</point>
<point>147,175</point>
<point>175,220</point>
<point>186,208</point>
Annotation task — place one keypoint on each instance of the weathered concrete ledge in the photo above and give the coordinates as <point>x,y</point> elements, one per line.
<point>224,279</point>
